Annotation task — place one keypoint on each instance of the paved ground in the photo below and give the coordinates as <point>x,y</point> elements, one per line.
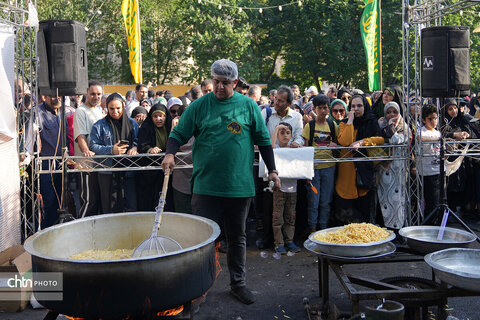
<point>280,286</point>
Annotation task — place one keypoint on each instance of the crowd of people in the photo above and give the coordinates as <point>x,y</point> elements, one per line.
<point>221,119</point>
<point>103,124</point>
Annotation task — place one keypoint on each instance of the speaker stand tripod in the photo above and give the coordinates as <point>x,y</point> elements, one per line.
<point>63,214</point>
<point>443,205</point>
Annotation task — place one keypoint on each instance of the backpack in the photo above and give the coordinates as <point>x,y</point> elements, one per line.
<point>331,125</point>
<point>268,111</point>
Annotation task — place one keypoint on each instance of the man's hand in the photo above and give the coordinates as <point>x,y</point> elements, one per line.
<point>276,180</point>
<point>83,145</point>
<point>295,145</point>
<point>169,162</point>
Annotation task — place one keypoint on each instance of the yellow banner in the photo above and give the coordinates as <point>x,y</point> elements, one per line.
<point>132,25</point>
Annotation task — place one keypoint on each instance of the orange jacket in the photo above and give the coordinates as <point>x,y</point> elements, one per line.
<point>345,185</point>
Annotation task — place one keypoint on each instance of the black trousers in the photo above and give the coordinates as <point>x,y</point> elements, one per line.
<point>431,193</point>
<point>233,212</point>
<point>89,194</point>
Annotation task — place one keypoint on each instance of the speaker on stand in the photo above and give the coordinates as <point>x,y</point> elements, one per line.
<point>62,71</point>
<point>445,54</point>
<point>445,73</point>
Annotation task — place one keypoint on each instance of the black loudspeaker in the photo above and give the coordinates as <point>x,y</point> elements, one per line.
<point>62,58</point>
<point>445,61</point>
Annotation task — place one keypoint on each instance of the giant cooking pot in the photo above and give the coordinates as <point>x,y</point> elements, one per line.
<point>116,288</point>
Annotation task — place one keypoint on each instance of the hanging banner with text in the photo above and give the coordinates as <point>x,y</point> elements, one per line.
<point>370,31</point>
<point>132,25</point>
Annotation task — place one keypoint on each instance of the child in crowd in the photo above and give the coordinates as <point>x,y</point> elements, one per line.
<point>284,200</point>
<point>321,131</point>
<point>429,165</point>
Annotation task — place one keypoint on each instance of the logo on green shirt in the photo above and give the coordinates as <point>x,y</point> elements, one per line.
<point>234,127</point>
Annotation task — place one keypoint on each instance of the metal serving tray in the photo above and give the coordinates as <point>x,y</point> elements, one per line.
<point>350,250</point>
<point>458,267</point>
<point>424,238</point>
<point>387,249</point>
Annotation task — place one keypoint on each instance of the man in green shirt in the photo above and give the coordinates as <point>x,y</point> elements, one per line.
<point>226,126</point>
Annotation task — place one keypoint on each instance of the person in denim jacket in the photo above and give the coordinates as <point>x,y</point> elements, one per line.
<point>116,134</point>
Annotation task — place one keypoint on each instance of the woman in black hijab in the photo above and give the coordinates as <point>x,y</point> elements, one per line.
<point>391,93</point>
<point>463,184</point>
<point>152,139</point>
<point>116,134</point>
<point>139,114</point>
<point>354,198</point>
<point>345,95</point>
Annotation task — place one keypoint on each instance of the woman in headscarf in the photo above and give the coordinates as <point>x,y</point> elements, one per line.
<point>139,114</point>
<point>152,139</point>
<point>345,95</point>
<point>391,175</point>
<point>463,182</point>
<point>116,134</point>
<point>355,182</point>
<point>338,111</point>
<point>391,93</point>
<point>146,103</point>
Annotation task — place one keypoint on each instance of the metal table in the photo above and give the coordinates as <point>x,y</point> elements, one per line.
<point>377,290</point>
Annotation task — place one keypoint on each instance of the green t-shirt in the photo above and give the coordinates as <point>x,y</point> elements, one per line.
<point>225,132</point>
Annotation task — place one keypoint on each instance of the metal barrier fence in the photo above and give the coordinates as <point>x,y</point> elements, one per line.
<point>141,162</point>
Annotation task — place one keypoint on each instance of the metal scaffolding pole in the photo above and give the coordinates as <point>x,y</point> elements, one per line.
<point>416,15</point>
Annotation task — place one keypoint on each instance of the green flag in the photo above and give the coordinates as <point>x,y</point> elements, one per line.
<point>370,30</point>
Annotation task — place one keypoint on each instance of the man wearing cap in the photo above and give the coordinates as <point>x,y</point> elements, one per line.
<point>312,91</point>
<point>226,126</point>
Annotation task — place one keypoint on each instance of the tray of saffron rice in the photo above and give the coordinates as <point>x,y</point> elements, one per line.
<point>353,240</point>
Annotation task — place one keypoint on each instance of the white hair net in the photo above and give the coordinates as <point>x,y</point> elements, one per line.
<point>225,68</point>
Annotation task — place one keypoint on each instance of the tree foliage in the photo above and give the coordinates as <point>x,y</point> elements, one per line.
<point>319,41</point>
<point>470,19</point>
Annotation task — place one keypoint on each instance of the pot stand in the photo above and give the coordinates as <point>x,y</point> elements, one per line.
<point>378,289</point>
